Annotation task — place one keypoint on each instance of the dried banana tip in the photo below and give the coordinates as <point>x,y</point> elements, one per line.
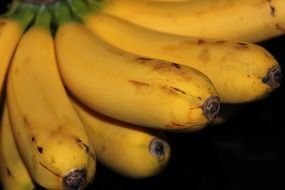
<point>211,107</point>
<point>75,180</point>
<point>273,77</point>
<point>157,148</point>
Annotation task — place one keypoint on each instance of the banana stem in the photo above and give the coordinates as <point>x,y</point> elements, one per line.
<point>61,13</point>
<point>24,14</point>
<point>78,8</point>
<point>43,18</point>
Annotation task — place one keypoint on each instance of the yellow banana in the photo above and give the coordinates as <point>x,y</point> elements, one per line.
<point>14,174</point>
<point>48,132</point>
<point>11,30</point>
<point>242,20</point>
<point>127,149</point>
<point>135,89</point>
<point>241,72</point>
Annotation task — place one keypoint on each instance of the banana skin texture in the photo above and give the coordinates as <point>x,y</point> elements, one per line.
<point>14,174</point>
<point>241,72</point>
<point>139,90</point>
<point>145,152</point>
<point>50,136</point>
<point>238,20</point>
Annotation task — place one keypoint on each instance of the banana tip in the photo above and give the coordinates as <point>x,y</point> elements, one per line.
<point>75,180</point>
<point>273,77</point>
<point>157,148</point>
<point>211,107</point>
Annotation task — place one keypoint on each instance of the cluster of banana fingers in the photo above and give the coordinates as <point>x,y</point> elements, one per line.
<point>88,80</point>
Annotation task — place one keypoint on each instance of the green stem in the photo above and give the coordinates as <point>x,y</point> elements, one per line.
<point>96,5</point>
<point>25,14</point>
<point>61,13</point>
<point>43,18</point>
<point>79,8</point>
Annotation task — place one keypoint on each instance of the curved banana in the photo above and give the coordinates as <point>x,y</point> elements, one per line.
<point>11,29</point>
<point>48,132</point>
<point>135,89</point>
<point>127,149</point>
<point>241,72</point>
<point>241,20</point>
<point>14,174</point>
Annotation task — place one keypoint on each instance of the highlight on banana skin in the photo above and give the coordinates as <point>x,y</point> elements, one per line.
<point>104,81</point>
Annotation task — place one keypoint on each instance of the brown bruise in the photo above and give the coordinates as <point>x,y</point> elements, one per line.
<point>40,149</point>
<point>201,41</point>
<point>44,166</point>
<point>177,90</point>
<point>272,8</point>
<point>177,66</point>
<point>2,23</point>
<point>278,27</point>
<point>241,45</point>
<point>9,173</point>
<point>143,59</point>
<point>138,83</point>
<point>82,145</point>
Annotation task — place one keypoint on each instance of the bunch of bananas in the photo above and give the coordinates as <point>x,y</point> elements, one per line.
<point>87,80</point>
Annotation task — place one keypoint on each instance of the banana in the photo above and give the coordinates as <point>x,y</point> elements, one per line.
<point>11,29</point>
<point>238,20</point>
<point>241,72</point>
<point>49,134</point>
<point>134,89</point>
<point>14,174</point>
<point>132,151</point>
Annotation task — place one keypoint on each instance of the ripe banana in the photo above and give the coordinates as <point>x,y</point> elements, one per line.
<point>241,20</point>
<point>135,89</point>
<point>145,151</point>
<point>48,132</point>
<point>11,29</point>
<point>14,174</point>
<point>241,72</point>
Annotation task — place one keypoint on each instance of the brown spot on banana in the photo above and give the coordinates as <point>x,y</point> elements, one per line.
<point>211,107</point>
<point>278,27</point>
<point>177,66</point>
<point>273,77</point>
<point>2,23</point>
<point>54,173</point>
<point>75,180</point>
<point>143,59</point>
<point>9,173</point>
<point>40,149</point>
<point>241,45</point>
<point>82,144</point>
<point>172,90</point>
<point>272,8</point>
<point>138,83</point>
<point>157,149</point>
<point>201,41</point>
<point>177,90</point>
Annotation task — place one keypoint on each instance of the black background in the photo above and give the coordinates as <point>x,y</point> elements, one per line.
<point>246,152</point>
